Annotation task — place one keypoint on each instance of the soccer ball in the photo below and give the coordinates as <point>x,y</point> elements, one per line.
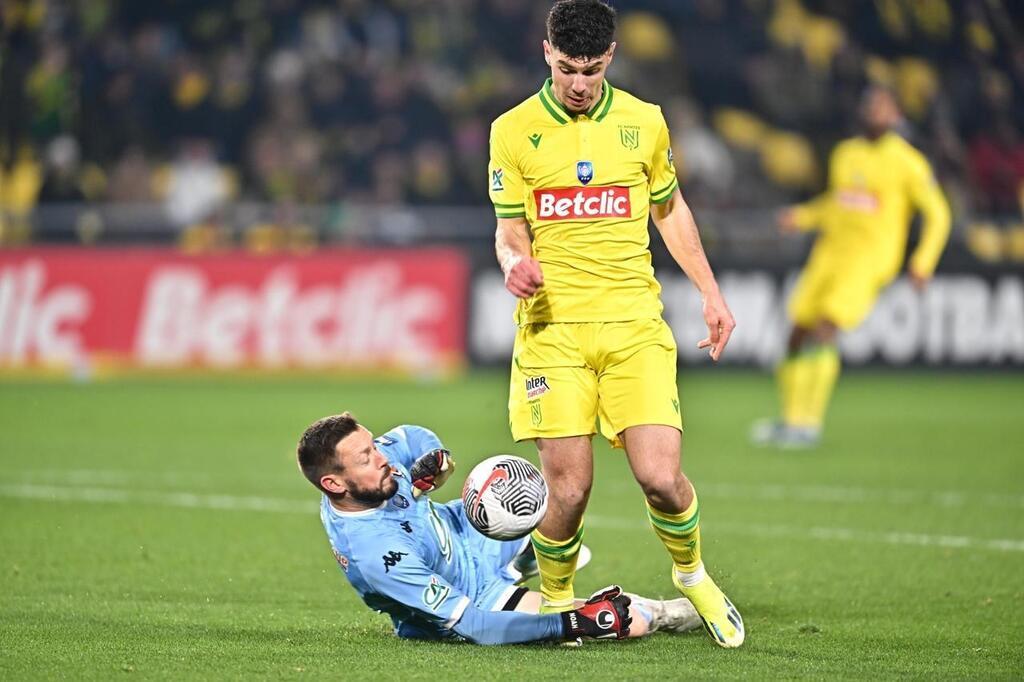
<point>505,497</point>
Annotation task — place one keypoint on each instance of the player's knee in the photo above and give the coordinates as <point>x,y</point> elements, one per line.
<point>569,494</point>
<point>666,491</point>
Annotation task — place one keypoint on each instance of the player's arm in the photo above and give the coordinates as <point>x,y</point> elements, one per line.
<point>927,196</point>
<point>419,449</point>
<point>507,191</point>
<point>809,215</point>
<point>803,217</point>
<point>512,246</point>
<point>679,231</point>
<point>675,222</point>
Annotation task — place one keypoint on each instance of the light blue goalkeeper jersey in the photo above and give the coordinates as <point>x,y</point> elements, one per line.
<point>423,564</point>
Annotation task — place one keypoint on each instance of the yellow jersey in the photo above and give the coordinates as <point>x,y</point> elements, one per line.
<point>873,188</point>
<point>584,183</point>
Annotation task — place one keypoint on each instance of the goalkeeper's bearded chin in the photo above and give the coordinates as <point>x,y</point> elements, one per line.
<point>371,497</point>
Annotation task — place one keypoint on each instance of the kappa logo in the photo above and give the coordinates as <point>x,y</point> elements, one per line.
<point>536,387</point>
<point>497,180</point>
<point>435,593</point>
<point>391,560</point>
<point>406,526</point>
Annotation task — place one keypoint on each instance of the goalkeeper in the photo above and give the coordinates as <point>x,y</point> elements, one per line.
<point>424,564</point>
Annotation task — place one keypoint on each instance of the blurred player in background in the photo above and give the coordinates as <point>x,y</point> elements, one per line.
<point>876,182</point>
<point>574,173</point>
<point>424,564</point>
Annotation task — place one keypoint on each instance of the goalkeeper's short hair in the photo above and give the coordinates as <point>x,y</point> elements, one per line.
<point>316,452</point>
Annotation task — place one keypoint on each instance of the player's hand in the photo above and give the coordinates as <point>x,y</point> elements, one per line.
<point>720,324</point>
<point>522,276</point>
<point>604,616</point>
<point>430,471</point>
<point>919,282</point>
<point>786,220</point>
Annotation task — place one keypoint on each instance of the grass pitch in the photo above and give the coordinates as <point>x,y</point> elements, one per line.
<point>160,529</point>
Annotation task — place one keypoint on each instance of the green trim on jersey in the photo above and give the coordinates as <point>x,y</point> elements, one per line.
<point>606,98</point>
<point>563,115</point>
<point>497,205</point>
<point>665,193</point>
<point>554,107</point>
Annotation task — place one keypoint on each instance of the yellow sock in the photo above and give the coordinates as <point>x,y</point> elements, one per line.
<point>680,533</point>
<point>784,379</point>
<point>801,377</point>
<point>825,373</point>
<point>556,560</point>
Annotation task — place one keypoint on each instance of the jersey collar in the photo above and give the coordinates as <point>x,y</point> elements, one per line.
<point>562,115</point>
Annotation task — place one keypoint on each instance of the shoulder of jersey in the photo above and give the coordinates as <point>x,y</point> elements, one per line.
<point>627,102</point>
<point>520,114</point>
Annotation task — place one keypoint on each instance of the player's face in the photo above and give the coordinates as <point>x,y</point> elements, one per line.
<point>879,112</point>
<point>577,82</point>
<point>366,473</point>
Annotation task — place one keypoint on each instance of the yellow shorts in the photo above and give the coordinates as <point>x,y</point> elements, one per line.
<point>567,376</point>
<point>839,288</point>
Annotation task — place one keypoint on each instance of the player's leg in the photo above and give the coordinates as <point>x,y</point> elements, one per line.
<point>822,360</point>
<point>553,400</point>
<point>674,512</point>
<point>639,409</point>
<point>649,615</point>
<point>568,465</point>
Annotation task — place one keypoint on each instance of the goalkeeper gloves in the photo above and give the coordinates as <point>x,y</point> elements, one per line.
<point>430,471</point>
<point>604,616</point>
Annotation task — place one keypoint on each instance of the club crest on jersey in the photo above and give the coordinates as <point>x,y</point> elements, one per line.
<point>585,171</point>
<point>629,136</point>
<point>400,501</point>
<point>497,183</point>
<point>536,387</point>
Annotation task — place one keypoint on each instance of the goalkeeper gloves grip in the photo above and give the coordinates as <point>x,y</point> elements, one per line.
<point>604,616</point>
<point>430,471</point>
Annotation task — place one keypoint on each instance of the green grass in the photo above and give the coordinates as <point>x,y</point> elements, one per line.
<point>876,556</point>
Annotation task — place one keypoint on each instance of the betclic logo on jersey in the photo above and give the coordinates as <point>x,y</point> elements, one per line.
<point>582,203</point>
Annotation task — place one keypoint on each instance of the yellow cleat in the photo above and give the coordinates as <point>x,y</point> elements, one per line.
<point>721,619</point>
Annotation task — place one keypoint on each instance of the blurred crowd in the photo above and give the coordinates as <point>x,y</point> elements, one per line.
<point>194,104</point>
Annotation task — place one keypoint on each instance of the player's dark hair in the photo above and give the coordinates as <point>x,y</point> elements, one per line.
<point>581,29</point>
<point>316,451</point>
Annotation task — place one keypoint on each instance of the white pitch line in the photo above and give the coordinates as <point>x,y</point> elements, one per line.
<point>282,505</point>
<point>767,492</point>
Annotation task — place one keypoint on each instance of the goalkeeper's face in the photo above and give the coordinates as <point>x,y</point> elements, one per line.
<point>576,81</point>
<point>366,475</point>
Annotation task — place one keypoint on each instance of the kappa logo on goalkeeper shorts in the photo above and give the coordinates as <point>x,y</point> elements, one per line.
<point>536,387</point>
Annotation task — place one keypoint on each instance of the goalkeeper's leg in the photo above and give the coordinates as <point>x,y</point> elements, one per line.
<point>568,465</point>
<point>674,513</point>
<point>649,615</point>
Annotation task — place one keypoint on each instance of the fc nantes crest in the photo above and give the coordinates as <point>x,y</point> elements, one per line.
<point>629,136</point>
